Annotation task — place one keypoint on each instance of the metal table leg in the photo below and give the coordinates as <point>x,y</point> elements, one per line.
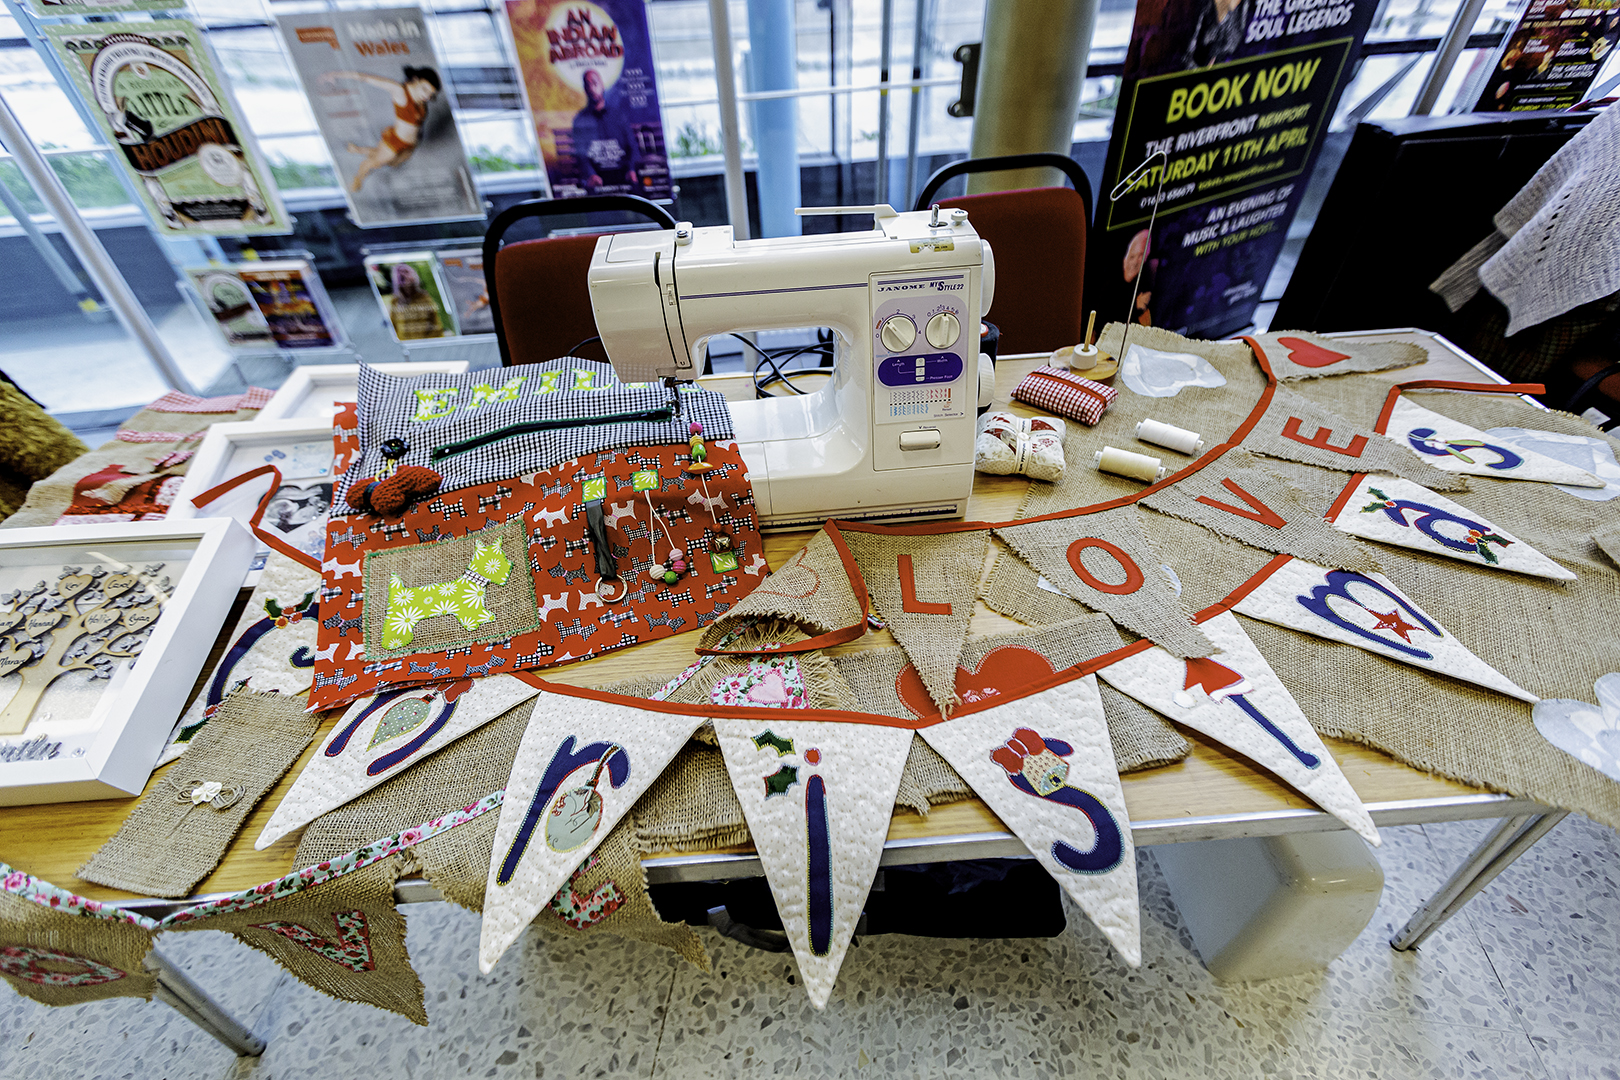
<point>175,989</point>
<point>1505,843</point>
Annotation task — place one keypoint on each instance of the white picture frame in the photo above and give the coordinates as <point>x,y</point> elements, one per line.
<point>116,758</point>
<point>314,391</point>
<point>228,450</point>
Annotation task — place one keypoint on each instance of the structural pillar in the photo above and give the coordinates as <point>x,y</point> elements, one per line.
<point>773,65</point>
<point>1032,68</point>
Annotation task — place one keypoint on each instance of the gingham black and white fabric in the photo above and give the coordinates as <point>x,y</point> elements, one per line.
<point>438,410</point>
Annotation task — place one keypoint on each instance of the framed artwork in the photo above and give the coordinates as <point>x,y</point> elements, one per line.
<point>96,666</point>
<point>301,449</point>
<point>313,392</point>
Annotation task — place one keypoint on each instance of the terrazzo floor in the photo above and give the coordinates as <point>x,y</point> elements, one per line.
<point>1525,982</point>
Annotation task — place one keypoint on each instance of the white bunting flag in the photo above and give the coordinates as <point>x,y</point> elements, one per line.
<point>381,736</point>
<point>1455,447</point>
<point>582,765</point>
<point>1409,515</point>
<point>1045,765</point>
<point>1368,611</point>
<point>817,796</point>
<point>1235,698</point>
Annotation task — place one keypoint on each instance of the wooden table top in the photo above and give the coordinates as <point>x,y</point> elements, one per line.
<point>53,841</point>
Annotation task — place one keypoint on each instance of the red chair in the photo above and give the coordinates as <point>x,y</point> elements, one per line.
<point>1039,239</point>
<point>539,291</point>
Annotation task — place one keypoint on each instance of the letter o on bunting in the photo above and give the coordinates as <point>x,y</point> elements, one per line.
<point>1133,573</point>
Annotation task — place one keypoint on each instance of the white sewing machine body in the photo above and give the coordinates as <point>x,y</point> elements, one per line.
<point>891,433</point>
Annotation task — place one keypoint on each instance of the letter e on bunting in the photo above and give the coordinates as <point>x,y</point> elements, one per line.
<point>1045,765</point>
<point>1296,429</point>
<point>1235,698</point>
<point>61,949</point>
<point>582,765</point>
<point>1106,562</point>
<point>1351,608</point>
<point>817,797</point>
<point>1234,495</point>
<point>923,587</point>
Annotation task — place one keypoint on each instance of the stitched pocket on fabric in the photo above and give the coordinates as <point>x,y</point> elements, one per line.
<point>432,597</point>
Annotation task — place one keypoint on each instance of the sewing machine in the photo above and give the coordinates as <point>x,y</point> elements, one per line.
<point>890,436</point>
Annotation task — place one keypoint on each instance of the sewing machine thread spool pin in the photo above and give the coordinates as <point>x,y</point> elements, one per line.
<point>1124,463</point>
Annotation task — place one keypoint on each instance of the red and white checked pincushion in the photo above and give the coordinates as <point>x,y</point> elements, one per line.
<point>1066,394</point>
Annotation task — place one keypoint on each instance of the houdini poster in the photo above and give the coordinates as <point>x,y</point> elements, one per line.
<point>155,95</point>
<point>588,72</point>
<point>1238,94</point>
<point>383,107</point>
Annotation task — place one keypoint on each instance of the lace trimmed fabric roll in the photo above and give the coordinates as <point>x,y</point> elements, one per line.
<point>1009,444</point>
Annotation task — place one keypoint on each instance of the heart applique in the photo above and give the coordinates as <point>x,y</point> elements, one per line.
<point>770,684</point>
<point>1590,733</point>
<point>1308,354</point>
<point>788,581</point>
<point>1003,672</point>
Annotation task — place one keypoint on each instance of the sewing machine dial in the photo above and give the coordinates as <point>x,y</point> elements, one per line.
<point>919,350</point>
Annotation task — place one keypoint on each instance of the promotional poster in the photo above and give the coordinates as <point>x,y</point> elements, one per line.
<point>588,73</point>
<point>294,305</point>
<point>157,99</point>
<point>380,100</point>
<point>463,272</point>
<point>1551,57</point>
<point>412,295</point>
<point>228,301</point>
<point>1238,94</point>
<point>51,9</point>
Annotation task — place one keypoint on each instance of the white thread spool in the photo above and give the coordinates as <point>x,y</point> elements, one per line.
<point>1125,463</point>
<point>1169,436</point>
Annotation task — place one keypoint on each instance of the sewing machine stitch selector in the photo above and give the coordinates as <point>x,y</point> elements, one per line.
<point>942,330</point>
<point>898,333</point>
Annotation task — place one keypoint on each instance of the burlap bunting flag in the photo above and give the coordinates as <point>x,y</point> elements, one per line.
<point>1395,511</point>
<point>1235,697</point>
<point>1236,496</point>
<point>1044,765</point>
<point>180,829</point>
<point>923,588</point>
<point>61,949</point>
<point>1349,608</point>
<point>813,589</point>
<point>818,797</point>
<point>1106,562</point>
<point>341,935</point>
<point>1296,429</point>
<point>381,736</point>
<point>582,765</point>
<point>1297,354</point>
<point>1608,541</point>
<point>884,682</point>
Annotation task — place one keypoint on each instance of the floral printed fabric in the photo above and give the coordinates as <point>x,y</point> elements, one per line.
<point>352,949</point>
<point>776,683</point>
<point>29,963</point>
<point>359,858</point>
<point>47,895</point>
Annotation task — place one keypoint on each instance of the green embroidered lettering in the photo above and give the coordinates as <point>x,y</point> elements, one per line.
<point>584,380</point>
<point>435,404</point>
<point>484,395</point>
<point>550,382</point>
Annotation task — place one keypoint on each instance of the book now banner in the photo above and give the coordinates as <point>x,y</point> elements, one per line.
<point>1238,96</point>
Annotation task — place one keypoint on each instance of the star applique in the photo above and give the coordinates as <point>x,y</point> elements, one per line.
<point>1394,623</point>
